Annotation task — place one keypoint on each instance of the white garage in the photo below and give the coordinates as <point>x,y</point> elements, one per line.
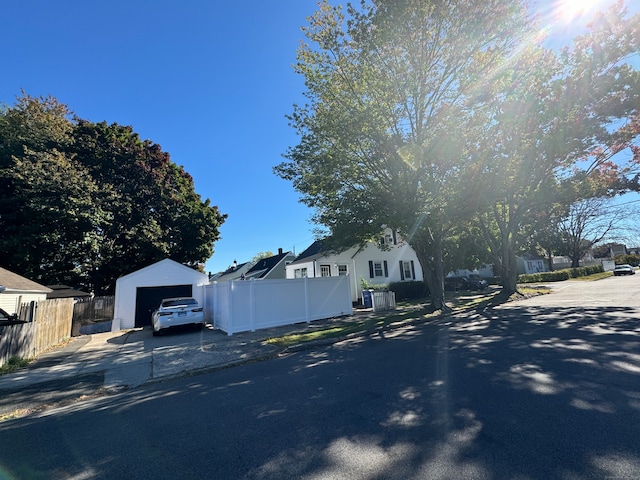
<point>140,292</point>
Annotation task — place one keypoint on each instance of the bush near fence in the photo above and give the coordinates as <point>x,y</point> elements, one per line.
<point>559,275</point>
<point>412,290</point>
<point>51,323</point>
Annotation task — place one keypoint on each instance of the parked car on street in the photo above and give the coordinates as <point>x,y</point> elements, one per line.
<point>474,282</point>
<point>624,270</point>
<point>174,312</point>
<point>471,282</point>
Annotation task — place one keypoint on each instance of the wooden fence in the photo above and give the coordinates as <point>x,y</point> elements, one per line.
<point>92,315</point>
<point>50,323</point>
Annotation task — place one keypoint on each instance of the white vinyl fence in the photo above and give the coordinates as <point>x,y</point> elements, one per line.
<point>384,301</point>
<point>240,306</point>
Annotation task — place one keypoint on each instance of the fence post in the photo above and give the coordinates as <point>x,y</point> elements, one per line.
<point>252,305</point>
<point>306,299</point>
<point>230,305</point>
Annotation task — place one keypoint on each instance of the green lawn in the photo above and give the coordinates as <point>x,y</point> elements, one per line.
<point>595,276</point>
<point>405,313</point>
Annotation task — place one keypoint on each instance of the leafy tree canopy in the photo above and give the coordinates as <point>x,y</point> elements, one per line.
<point>83,203</point>
<point>433,117</point>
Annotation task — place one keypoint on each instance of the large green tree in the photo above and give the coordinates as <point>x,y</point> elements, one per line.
<point>84,203</point>
<point>387,131</point>
<point>547,113</point>
<point>48,217</point>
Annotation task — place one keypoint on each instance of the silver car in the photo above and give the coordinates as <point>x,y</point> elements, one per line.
<point>177,311</point>
<point>624,270</point>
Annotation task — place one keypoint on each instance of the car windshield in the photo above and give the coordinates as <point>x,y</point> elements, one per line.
<point>179,302</point>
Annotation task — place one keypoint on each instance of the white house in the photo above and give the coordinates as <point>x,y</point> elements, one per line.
<point>139,293</point>
<point>18,290</point>
<point>397,262</point>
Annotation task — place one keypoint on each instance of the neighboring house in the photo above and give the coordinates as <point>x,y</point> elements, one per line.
<point>64,291</point>
<point>530,264</point>
<point>561,261</point>
<point>485,271</point>
<point>634,250</point>
<point>617,249</point>
<point>271,268</point>
<point>139,293</point>
<point>19,290</point>
<point>397,262</point>
<point>234,272</point>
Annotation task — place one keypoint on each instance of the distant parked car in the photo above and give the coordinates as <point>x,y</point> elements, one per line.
<point>474,282</point>
<point>624,270</point>
<point>174,312</point>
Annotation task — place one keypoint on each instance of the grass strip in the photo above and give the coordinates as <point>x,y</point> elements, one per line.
<point>14,364</point>
<point>410,311</point>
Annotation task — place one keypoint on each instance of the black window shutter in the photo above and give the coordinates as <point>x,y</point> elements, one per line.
<point>413,270</point>
<point>386,270</point>
<point>401,271</point>
<point>370,269</point>
<point>395,240</point>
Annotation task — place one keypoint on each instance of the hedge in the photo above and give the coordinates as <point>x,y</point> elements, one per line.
<point>413,290</point>
<point>560,275</point>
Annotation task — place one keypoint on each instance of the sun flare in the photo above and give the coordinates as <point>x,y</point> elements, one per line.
<point>569,10</point>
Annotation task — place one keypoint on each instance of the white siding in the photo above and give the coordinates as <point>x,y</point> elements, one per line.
<point>357,260</point>
<point>163,273</point>
<point>11,301</point>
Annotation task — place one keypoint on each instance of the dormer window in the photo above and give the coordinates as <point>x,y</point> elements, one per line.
<point>387,239</point>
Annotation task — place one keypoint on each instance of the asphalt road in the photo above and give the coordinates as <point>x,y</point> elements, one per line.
<point>546,388</point>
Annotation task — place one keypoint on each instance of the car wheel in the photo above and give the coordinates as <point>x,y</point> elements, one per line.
<point>155,333</point>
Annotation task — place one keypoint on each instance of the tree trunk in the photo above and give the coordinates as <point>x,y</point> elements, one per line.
<point>509,266</point>
<point>429,253</point>
<point>575,260</point>
<point>550,259</point>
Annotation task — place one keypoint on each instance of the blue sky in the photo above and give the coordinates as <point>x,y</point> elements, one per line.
<point>209,81</point>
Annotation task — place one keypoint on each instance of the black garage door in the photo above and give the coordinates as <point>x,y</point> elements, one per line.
<point>148,299</point>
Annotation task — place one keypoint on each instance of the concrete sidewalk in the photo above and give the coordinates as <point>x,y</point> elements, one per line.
<point>132,358</point>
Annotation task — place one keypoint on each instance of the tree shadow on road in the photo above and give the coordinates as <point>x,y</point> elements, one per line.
<point>514,391</point>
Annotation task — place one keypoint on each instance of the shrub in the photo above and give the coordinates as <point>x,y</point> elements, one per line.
<point>586,271</point>
<point>412,290</point>
<point>560,275</point>
<point>378,287</point>
<point>556,276</point>
<point>629,259</point>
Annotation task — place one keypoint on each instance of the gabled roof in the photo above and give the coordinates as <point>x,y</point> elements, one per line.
<point>163,265</point>
<point>232,273</point>
<point>312,252</point>
<point>232,269</point>
<point>262,268</point>
<point>64,291</point>
<point>16,283</point>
